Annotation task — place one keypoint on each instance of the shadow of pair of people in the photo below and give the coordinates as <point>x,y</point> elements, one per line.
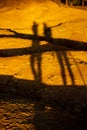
<point>36,58</point>
<point>36,51</point>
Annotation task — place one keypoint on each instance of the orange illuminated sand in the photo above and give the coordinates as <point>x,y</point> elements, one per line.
<point>33,63</point>
<point>48,64</point>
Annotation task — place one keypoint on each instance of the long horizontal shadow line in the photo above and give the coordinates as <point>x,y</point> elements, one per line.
<point>75,45</point>
<point>23,36</point>
<point>27,50</point>
<point>31,50</point>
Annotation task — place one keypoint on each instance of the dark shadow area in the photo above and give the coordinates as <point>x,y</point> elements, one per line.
<point>65,108</point>
<point>56,95</point>
<point>62,95</point>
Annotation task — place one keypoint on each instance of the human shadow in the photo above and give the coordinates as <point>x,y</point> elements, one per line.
<point>61,56</point>
<point>36,58</point>
<point>47,33</point>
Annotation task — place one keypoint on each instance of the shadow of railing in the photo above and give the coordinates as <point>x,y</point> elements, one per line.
<point>71,44</point>
<point>56,44</point>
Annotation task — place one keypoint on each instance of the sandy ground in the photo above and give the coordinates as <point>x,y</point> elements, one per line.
<point>37,60</point>
<point>24,114</point>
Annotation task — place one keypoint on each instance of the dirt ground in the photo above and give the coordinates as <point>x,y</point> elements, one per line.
<point>43,66</point>
<point>21,114</point>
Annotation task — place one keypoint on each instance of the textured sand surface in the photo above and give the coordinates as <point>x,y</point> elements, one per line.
<point>43,55</point>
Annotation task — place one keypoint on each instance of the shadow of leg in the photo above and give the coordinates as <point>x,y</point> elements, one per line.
<point>62,68</point>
